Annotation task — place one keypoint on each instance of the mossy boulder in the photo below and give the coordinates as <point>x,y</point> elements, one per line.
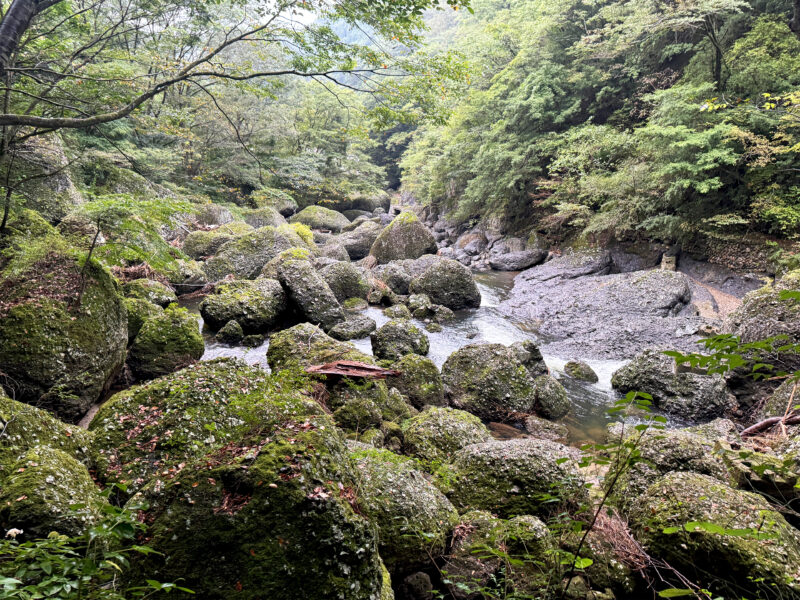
<point>231,333</point>
<point>270,270</point>
<point>419,381</point>
<point>355,304</point>
<point>354,328</point>
<point>414,519</point>
<point>305,345</point>
<point>515,477</point>
<point>436,433</point>
<point>245,256</point>
<point>551,397</point>
<point>37,495</point>
<point>395,339</point>
<point>777,403</point>
<point>543,429</point>
<point>346,280</point>
<point>393,275</point>
<point>335,250</point>
<point>300,234</point>
<point>448,283</point>
<point>738,545</point>
<point>406,237</point>
<point>689,395</point>
<point>166,342</point>
<point>272,513</point>
<point>530,356</point>
<point>390,405</point>
<point>310,294</point>
<point>280,200</point>
<point>359,241</point>
<point>489,381</point>
<point>188,277</point>
<point>358,415</point>
<point>581,371</point>
<point>256,305</point>
<point>469,567</point>
<point>201,244</point>
<point>398,311</point>
<point>319,217</point>
<point>265,216</point>
<point>138,312</point>
<point>154,292</point>
<point>57,355</point>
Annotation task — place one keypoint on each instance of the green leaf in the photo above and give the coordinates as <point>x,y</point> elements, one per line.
<point>675,593</point>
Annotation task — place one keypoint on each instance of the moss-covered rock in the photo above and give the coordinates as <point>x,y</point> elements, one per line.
<point>202,244</point>
<point>551,397</point>
<point>542,429</point>
<point>393,275</point>
<point>355,305</point>
<point>188,277</point>
<point>57,355</point>
<point>489,381</point>
<point>690,395</point>
<point>335,250</point>
<point>280,200</point>
<point>515,477</point>
<point>305,345</point>
<point>530,356</point>
<point>414,519</point>
<point>358,241</point>
<point>273,512</point>
<point>419,381</point>
<point>738,544</point>
<point>346,280</point>
<point>300,235</point>
<point>405,237</point>
<point>256,305</point>
<point>231,333</point>
<point>395,339</point>
<point>44,483</point>
<point>779,401</point>
<point>579,370</point>
<point>152,291</point>
<point>270,270</point>
<point>310,294</point>
<point>319,217</point>
<point>265,216</point>
<point>448,283</point>
<point>138,312</point>
<point>398,311</point>
<point>166,342</point>
<point>358,415</point>
<point>436,433</point>
<point>470,567</point>
<point>245,255</point>
<point>420,305</point>
<point>354,328</point>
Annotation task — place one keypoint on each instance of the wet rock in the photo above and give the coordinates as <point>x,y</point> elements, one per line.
<point>419,381</point>
<point>152,291</point>
<point>517,261</point>
<point>138,312</point>
<point>723,561</point>
<point>551,397</point>
<point>404,238</point>
<point>398,311</point>
<point>257,306</point>
<point>413,517</point>
<point>416,586</point>
<point>166,342</point>
<point>581,371</point>
<point>436,433</point>
<point>692,396</point>
<point>442,314</point>
<point>542,429</point>
<point>515,477</point>
<point>359,241</point>
<point>319,217</point>
<point>309,292</point>
<point>489,381</point>
<point>397,338</point>
<point>530,356</point>
<point>354,327</point>
<point>449,284</point>
<point>266,216</point>
<point>188,278</point>
<point>393,275</point>
<point>305,345</point>
<point>346,280</point>
<point>355,304</point>
<point>245,256</point>
<point>202,244</point>
<point>419,305</point>
<point>231,333</point>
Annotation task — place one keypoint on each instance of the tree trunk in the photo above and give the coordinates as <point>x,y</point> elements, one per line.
<point>718,67</point>
<point>14,24</point>
<point>794,24</point>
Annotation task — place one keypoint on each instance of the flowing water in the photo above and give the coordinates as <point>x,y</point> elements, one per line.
<point>588,419</point>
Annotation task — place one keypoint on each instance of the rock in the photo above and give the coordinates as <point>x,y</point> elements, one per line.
<point>355,304</point>
<point>346,281</point>
<point>369,395</point>
<point>530,356</point>
<point>335,250</point>
<point>436,433</point>
<point>449,284</point>
<point>257,306</point>
<point>515,477</point>
<point>469,567</point>
<point>581,371</point>
<point>542,429</point>
<point>254,340</point>
<point>214,214</point>
<point>188,278</point>
<point>740,562</point>
<point>359,241</point>
<point>472,243</point>
<point>398,311</point>
<point>245,256</point>
<point>419,381</point>
<point>166,342</point>
<point>280,200</point>
<point>489,381</point>
<point>270,511</point>
<point>55,355</point>
<point>420,305</point>
<point>152,291</point>
<point>358,415</point>
<point>36,497</point>
<point>551,398</point>
<point>356,214</point>
<point>270,270</point>
<point>305,345</point>
<point>354,328</point>
<point>319,217</point>
<point>300,235</point>
<point>780,402</point>
<point>202,244</point>
<point>231,333</point>
<point>393,275</point>
<point>405,237</point>
<point>309,292</point>
<point>397,338</point>
<point>263,217</point>
<point>692,396</point>
<point>518,261</point>
<point>414,519</point>
<point>417,586</point>
<point>138,312</point>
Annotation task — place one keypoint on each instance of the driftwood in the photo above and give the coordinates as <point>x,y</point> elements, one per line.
<point>767,423</point>
<point>351,368</point>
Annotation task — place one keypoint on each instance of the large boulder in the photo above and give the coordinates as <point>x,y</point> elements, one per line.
<point>354,328</point>
<point>154,292</point>
<point>204,243</point>
<point>309,292</point>
<point>264,217</point>
<point>359,240</point>
<point>517,261</point>
<point>395,339</point>
<point>406,237</point>
<point>166,342</point>
<point>273,514</point>
<point>393,275</point>
<point>188,277</point>
<point>447,283</point>
<point>689,395</point>
<point>280,200</point>
<point>58,355</point>
<point>436,433</point>
<point>531,357</point>
<point>489,381</point>
<point>413,517</point>
<point>551,397</point>
<point>515,477</point>
<point>577,369</point>
<point>346,280</point>
<point>245,256</point>
<point>305,345</point>
<point>732,540</point>
<point>138,312</point>
<point>319,217</point>
<point>256,305</point>
<point>419,381</point>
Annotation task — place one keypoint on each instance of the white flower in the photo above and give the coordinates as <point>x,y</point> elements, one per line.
<point>13,533</point>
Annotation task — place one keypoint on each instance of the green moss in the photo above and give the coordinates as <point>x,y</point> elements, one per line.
<point>346,281</point>
<point>581,371</point>
<point>305,345</point>
<point>355,304</point>
<point>256,305</point>
<point>405,237</point>
<point>152,291</point>
<point>319,217</point>
<point>166,343</point>
<point>202,244</point>
<point>397,338</point>
<point>398,311</point>
<point>245,256</point>
<point>139,311</point>
<point>437,433</point>
<point>419,381</point>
